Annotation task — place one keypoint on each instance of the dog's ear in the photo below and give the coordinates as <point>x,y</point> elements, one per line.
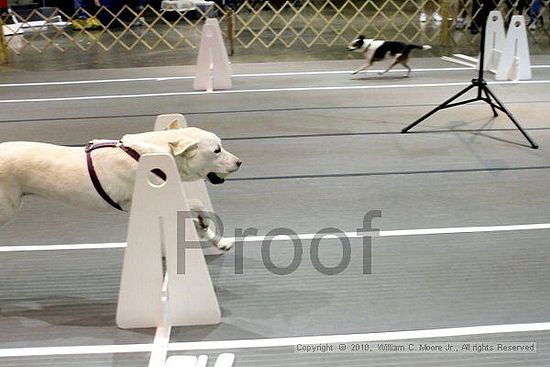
<point>173,125</point>
<point>186,147</point>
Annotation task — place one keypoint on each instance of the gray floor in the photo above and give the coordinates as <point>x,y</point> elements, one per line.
<point>313,159</point>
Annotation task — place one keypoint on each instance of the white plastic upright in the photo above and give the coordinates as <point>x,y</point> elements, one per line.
<point>495,38</point>
<point>153,233</point>
<point>213,68</point>
<point>515,63</point>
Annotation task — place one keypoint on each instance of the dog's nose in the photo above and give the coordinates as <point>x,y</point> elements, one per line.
<point>238,163</point>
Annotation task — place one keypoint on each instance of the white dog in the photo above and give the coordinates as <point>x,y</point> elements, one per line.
<point>101,176</point>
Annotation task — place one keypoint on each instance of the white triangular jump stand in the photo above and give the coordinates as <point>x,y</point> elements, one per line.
<point>515,63</point>
<point>196,191</point>
<point>155,230</point>
<point>506,54</point>
<point>495,38</point>
<point>213,68</point>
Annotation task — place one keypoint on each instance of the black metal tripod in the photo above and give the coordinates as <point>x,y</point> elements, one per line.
<point>483,94</point>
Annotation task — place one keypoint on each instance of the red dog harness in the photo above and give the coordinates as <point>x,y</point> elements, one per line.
<point>93,175</point>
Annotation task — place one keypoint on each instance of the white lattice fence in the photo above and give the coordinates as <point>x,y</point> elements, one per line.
<point>305,23</point>
<point>311,23</point>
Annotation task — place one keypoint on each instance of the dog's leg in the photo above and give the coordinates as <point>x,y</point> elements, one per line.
<point>408,69</point>
<point>10,202</point>
<point>363,67</point>
<point>393,63</point>
<point>404,60</point>
<point>207,234</point>
<point>202,225</point>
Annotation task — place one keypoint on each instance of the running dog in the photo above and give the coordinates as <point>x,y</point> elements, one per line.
<point>101,175</point>
<point>375,50</point>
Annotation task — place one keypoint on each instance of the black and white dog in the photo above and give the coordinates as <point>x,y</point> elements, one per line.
<point>375,50</point>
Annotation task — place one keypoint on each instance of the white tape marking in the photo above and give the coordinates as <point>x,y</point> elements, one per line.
<point>280,342</point>
<point>198,93</point>
<point>453,230</point>
<point>367,337</point>
<point>74,350</point>
<point>268,90</point>
<point>82,246</point>
<point>252,75</point>
<point>256,75</point>
<point>466,57</point>
<point>457,61</point>
<point>305,236</point>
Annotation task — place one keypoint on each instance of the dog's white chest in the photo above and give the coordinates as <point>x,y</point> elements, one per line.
<point>372,45</point>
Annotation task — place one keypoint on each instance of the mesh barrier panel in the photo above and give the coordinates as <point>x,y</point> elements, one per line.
<point>265,24</point>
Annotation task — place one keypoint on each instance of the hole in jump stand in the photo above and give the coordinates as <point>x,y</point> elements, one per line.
<point>156,177</point>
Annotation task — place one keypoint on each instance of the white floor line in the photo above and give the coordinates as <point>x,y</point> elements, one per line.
<point>328,72</point>
<point>281,342</point>
<point>304,236</point>
<point>466,57</point>
<point>357,338</point>
<point>415,232</point>
<point>457,61</point>
<point>251,75</point>
<point>267,90</point>
<point>82,246</point>
<point>96,81</point>
<point>453,230</point>
<point>74,350</point>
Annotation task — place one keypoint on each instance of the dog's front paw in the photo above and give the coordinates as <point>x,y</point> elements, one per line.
<point>224,244</point>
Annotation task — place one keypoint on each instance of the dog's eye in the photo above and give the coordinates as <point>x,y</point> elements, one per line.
<point>218,150</point>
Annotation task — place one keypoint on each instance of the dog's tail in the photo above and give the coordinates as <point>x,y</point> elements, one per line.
<point>423,47</point>
<point>411,46</point>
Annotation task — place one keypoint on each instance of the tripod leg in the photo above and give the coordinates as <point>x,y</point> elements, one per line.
<point>511,117</point>
<point>490,102</point>
<point>440,107</point>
